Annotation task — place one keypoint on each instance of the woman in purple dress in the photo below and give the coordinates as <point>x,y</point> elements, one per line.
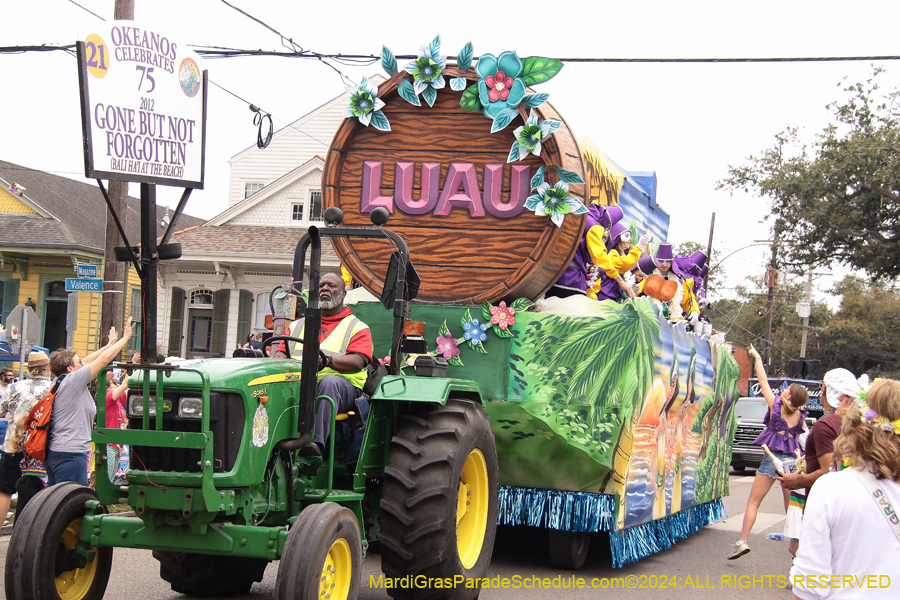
<point>785,422</point>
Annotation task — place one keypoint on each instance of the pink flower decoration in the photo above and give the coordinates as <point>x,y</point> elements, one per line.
<point>447,346</point>
<point>498,86</point>
<point>503,315</point>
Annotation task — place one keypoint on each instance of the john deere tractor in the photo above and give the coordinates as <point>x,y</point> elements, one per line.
<point>222,481</point>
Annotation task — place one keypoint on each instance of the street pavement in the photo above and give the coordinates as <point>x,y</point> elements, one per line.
<point>522,552</point>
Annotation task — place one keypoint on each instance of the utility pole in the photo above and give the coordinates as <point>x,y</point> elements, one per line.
<point>712,226</point>
<point>806,311</point>
<point>111,309</point>
<point>771,282</point>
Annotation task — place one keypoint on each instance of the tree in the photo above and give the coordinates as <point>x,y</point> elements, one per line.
<point>838,198</point>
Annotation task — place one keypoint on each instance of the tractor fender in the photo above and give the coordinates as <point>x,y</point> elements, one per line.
<point>402,388</point>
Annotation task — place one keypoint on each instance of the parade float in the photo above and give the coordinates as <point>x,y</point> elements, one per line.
<point>607,417</point>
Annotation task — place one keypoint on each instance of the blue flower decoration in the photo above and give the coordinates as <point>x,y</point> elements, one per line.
<point>475,332</point>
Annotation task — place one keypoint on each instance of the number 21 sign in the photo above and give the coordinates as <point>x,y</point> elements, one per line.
<point>143,106</point>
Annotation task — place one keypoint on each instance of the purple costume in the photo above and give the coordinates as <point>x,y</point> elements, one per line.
<point>775,423</point>
<point>574,278</point>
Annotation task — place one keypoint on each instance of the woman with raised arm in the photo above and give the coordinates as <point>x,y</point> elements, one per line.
<point>785,422</point>
<point>74,409</point>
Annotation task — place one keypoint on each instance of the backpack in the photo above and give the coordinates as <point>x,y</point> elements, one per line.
<point>37,425</point>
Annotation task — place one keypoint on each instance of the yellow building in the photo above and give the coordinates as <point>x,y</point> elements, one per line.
<point>49,225</point>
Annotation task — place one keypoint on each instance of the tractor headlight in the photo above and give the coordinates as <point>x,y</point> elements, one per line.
<point>190,407</point>
<point>136,406</point>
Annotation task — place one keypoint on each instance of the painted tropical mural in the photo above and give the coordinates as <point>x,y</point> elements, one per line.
<point>618,402</point>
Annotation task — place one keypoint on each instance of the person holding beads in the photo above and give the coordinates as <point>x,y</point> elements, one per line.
<point>785,422</point>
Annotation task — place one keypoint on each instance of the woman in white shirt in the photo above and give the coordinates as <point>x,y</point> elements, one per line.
<point>851,527</point>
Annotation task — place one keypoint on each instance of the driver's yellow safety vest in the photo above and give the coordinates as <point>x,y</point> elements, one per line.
<point>334,345</point>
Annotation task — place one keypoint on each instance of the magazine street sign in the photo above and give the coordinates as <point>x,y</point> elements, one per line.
<point>82,271</point>
<point>143,106</point>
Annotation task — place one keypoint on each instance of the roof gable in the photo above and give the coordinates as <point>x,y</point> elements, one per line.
<point>315,163</point>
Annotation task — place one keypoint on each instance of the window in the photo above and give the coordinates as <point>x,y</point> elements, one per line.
<point>315,205</point>
<point>297,211</point>
<point>202,298</point>
<point>252,188</point>
<point>262,309</point>
<point>134,310</point>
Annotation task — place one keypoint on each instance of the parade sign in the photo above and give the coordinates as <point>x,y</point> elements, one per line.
<point>143,106</point>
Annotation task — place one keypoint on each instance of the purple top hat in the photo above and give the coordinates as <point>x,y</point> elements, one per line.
<point>615,232</point>
<point>611,215</point>
<point>663,253</point>
<point>646,264</point>
<point>699,258</point>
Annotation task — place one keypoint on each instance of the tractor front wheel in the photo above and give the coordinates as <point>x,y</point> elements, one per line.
<point>322,557</point>
<point>439,501</point>
<point>569,549</point>
<point>41,562</point>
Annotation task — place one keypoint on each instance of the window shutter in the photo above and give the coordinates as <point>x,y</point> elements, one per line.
<point>176,321</point>
<point>10,298</point>
<point>219,322</point>
<point>245,312</point>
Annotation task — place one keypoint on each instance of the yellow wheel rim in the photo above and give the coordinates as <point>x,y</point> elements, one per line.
<point>336,572</point>
<point>472,509</point>
<point>75,584</point>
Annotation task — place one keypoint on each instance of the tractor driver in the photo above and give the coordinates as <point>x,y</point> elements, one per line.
<point>346,343</point>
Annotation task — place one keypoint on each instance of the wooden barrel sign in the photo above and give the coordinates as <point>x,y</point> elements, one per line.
<point>454,199</point>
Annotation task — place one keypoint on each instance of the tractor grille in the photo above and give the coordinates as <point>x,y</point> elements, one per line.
<point>226,423</point>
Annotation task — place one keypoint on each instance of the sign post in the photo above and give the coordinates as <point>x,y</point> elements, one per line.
<point>23,330</point>
<point>71,318</point>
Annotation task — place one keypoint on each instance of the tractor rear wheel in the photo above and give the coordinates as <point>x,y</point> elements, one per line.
<point>569,549</point>
<point>439,501</point>
<point>209,575</point>
<point>322,557</point>
<point>41,563</point>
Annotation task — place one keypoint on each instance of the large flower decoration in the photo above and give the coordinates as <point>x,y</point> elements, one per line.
<point>503,315</point>
<point>530,136</point>
<point>500,87</point>
<point>427,70</point>
<point>365,105</point>
<point>554,201</point>
<point>447,346</point>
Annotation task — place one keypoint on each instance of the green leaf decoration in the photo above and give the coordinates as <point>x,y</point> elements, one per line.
<point>504,333</point>
<point>522,304</point>
<point>388,62</point>
<point>458,84</point>
<point>430,95</point>
<point>537,69</point>
<point>486,311</point>
<point>456,361</point>
<point>435,46</point>
<point>479,348</point>
<point>503,118</point>
<point>538,178</point>
<point>469,100</point>
<point>443,329</point>
<point>466,318</point>
<point>464,59</point>
<point>568,176</point>
<point>513,153</point>
<point>379,121</point>
<point>408,93</point>
<point>532,100</point>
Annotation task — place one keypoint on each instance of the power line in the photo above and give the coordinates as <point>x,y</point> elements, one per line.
<point>87,10</point>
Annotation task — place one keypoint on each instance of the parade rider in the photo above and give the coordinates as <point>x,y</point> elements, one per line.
<point>346,344</point>
<point>683,302</point>
<point>624,258</point>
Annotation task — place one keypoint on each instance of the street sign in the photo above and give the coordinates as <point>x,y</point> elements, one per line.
<point>83,271</point>
<point>84,285</point>
<point>22,323</point>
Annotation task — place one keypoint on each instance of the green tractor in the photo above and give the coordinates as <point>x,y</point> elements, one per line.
<point>221,485</point>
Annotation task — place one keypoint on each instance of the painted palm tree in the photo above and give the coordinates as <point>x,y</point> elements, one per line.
<point>613,357</point>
